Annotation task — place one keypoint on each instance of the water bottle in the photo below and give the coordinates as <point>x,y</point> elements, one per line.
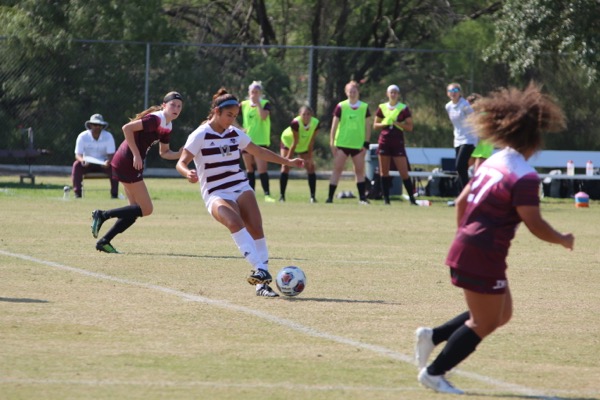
<point>589,168</point>
<point>66,191</point>
<point>570,168</point>
<point>423,203</point>
<point>582,200</point>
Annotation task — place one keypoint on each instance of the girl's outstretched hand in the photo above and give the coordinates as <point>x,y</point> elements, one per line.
<point>297,162</point>
<point>568,241</point>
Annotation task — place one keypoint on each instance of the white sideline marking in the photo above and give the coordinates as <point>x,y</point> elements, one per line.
<point>280,321</point>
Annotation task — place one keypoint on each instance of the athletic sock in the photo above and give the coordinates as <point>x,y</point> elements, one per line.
<point>247,247</point>
<point>251,179</point>
<point>263,251</point>
<point>385,186</point>
<point>409,189</point>
<point>312,184</point>
<point>283,180</point>
<point>443,332</point>
<point>360,186</point>
<point>331,191</point>
<point>264,181</point>
<point>460,345</point>
<point>131,211</point>
<point>120,226</point>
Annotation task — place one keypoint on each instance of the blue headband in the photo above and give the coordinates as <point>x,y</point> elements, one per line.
<point>230,102</point>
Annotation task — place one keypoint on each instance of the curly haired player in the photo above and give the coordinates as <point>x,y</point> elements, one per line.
<point>503,192</point>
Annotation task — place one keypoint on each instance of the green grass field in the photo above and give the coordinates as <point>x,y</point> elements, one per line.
<point>173,317</point>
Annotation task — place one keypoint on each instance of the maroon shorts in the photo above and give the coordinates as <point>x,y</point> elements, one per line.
<point>128,175</point>
<point>391,145</point>
<point>350,152</point>
<point>479,284</point>
<point>122,167</point>
<point>123,171</point>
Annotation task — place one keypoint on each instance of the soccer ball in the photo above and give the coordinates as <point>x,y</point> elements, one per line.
<point>291,281</point>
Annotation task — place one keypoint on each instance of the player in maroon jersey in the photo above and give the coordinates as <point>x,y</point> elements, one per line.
<point>393,119</point>
<point>503,192</point>
<point>147,128</point>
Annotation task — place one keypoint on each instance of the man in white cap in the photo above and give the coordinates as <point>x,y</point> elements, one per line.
<point>94,150</point>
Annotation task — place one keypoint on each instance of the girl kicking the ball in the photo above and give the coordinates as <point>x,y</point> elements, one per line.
<point>503,192</point>
<point>215,148</point>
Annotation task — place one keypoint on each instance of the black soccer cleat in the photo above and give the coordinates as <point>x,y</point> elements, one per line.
<point>259,276</point>
<point>106,247</point>
<point>97,221</point>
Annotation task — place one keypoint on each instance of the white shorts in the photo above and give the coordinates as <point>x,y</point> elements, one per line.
<point>231,194</point>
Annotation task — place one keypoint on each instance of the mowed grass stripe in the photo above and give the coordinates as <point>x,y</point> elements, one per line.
<point>276,320</point>
<point>375,274</point>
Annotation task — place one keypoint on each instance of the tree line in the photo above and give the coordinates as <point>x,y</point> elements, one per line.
<point>63,61</point>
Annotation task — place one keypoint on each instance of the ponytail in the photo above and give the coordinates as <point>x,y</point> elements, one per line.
<point>222,99</point>
<point>168,97</point>
<point>146,112</point>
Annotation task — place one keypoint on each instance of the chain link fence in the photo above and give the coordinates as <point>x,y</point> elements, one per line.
<point>54,91</point>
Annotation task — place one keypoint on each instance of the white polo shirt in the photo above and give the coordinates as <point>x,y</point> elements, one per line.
<point>88,146</point>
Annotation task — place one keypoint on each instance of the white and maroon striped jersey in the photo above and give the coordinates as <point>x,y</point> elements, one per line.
<point>217,158</point>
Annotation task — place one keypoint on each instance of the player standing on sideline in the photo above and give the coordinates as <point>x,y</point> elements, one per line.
<point>349,137</point>
<point>393,119</point>
<point>215,148</point>
<point>465,139</point>
<point>148,127</point>
<point>299,137</point>
<point>256,120</point>
<point>503,192</point>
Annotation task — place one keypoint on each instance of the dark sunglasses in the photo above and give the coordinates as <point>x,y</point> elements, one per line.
<point>454,90</point>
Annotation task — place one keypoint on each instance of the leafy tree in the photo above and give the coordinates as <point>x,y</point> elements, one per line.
<point>58,79</point>
<point>383,24</point>
<point>389,25</point>
<point>55,73</point>
<point>563,30</point>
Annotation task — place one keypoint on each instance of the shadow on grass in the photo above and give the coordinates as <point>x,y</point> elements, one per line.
<point>530,397</point>
<point>37,186</point>
<point>14,300</point>
<point>327,300</point>
<point>182,255</point>
<point>231,257</point>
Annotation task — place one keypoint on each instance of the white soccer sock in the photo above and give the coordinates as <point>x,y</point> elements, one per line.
<point>263,251</point>
<point>245,243</point>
